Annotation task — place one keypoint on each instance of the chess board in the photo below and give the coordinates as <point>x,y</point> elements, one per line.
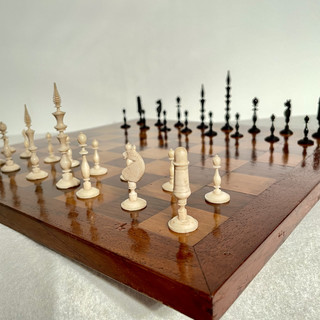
<point>272,187</point>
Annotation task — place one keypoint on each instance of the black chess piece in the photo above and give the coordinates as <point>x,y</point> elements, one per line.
<point>210,132</point>
<point>143,126</point>
<point>165,128</point>
<point>140,121</point>
<point>287,113</point>
<point>159,109</point>
<point>178,124</point>
<point>237,134</point>
<point>125,125</point>
<point>202,125</point>
<point>186,130</point>
<point>227,127</point>
<point>272,138</point>
<point>306,141</point>
<point>316,135</point>
<point>254,129</point>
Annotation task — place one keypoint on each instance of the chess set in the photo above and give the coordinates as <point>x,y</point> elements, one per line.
<point>204,212</point>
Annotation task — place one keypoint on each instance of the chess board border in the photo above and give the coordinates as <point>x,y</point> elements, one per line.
<point>224,264</point>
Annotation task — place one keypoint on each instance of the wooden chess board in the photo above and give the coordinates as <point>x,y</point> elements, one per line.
<point>200,274</point>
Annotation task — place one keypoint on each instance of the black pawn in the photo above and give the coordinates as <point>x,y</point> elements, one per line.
<point>159,109</point>
<point>227,127</point>
<point>254,129</point>
<point>272,138</point>
<point>178,124</point>
<point>165,128</point>
<point>202,125</point>
<point>305,141</point>
<point>287,113</point>
<point>143,118</point>
<point>316,135</point>
<point>125,125</point>
<point>237,134</point>
<point>210,132</point>
<point>186,130</point>
<point>140,121</point>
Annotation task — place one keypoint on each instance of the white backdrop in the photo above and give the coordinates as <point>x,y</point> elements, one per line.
<point>102,54</point>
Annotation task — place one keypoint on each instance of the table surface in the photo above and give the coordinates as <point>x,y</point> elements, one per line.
<point>200,274</point>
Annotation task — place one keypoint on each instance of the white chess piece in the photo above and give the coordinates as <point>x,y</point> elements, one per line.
<point>217,195</point>
<point>68,180</point>
<point>133,173</point>
<point>36,173</point>
<point>97,170</point>
<point>182,223</point>
<point>168,186</point>
<point>87,191</point>
<point>9,165</point>
<point>52,157</point>
<point>74,163</point>
<point>26,154</point>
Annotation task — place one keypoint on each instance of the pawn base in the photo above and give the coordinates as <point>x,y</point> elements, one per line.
<point>25,154</point>
<point>305,142</point>
<point>87,194</point>
<point>125,126</point>
<point>14,167</point>
<point>167,186</point>
<point>36,175</point>
<point>65,183</point>
<point>133,205</point>
<point>98,171</point>
<point>237,135</point>
<point>183,226</point>
<point>178,125</point>
<point>186,130</point>
<point>75,163</point>
<point>254,130</point>
<point>286,132</point>
<point>210,133</point>
<point>217,198</point>
<point>52,159</point>
<point>227,128</point>
<point>272,139</point>
<point>202,126</point>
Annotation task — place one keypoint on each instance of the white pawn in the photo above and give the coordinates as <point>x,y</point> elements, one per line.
<point>26,154</point>
<point>9,165</point>
<point>182,223</point>
<point>132,173</point>
<point>52,157</point>
<point>74,163</point>
<point>36,173</point>
<point>217,195</point>
<point>168,186</point>
<point>87,191</point>
<point>97,170</point>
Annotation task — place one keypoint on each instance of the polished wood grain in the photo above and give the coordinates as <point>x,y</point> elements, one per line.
<point>200,274</point>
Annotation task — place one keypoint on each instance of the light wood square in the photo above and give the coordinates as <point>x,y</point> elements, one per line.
<point>208,221</point>
<point>155,189</point>
<point>280,158</point>
<point>198,148</point>
<point>158,167</point>
<point>245,183</point>
<point>226,164</point>
<point>154,153</point>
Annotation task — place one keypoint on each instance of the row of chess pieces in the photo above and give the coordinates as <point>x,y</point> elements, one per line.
<point>207,129</point>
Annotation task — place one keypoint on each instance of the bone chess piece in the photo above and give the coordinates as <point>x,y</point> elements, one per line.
<point>36,173</point>
<point>26,154</point>
<point>168,186</point>
<point>182,223</point>
<point>133,173</point>
<point>68,180</point>
<point>52,157</point>
<point>9,165</point>
<point>87,191</point>
<point>74,163</point>
<point>217,195</point>
<point>97,170</point>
